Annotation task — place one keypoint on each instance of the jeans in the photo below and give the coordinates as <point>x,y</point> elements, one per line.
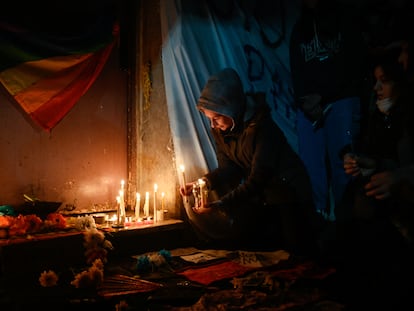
<point>320,151</point>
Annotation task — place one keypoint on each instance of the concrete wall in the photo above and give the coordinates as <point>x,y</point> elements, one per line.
<point>111,134</point>
<point>81,161</point>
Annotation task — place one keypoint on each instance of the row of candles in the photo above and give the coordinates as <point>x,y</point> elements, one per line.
<point>158,213</point>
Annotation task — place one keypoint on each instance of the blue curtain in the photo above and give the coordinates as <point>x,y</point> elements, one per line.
<point>201,38</point>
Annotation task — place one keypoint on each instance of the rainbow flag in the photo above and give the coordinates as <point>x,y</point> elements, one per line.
<point>46,69</point>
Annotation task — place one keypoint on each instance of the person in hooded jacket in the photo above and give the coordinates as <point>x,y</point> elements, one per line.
<point>262,185</point>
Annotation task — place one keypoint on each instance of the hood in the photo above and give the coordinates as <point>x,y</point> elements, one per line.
<point>224,94</point>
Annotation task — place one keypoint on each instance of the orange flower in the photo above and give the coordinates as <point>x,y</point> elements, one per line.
<point>33,223</point>
<point>18,226</point>
<point>4,221</point>
<point>57,220</point>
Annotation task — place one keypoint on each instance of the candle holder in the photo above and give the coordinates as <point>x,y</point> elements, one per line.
<point>118,224</point>
<point>120,217</point>
<point>200,193</point>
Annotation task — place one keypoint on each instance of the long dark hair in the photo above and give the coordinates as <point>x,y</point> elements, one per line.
<point>393,71</point>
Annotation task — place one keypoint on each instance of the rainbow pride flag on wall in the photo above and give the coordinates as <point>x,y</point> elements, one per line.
<point>47,67</point>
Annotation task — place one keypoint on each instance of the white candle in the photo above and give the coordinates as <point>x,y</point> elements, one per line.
<point>121,203</point>
<point>137,206</point>
<point>146,204</point>
<point>183,176</point>
<point>155,202</point>
<point>118,210</point>
<point>162,201</point>
<point>202,183</point>
<point>183,180</point>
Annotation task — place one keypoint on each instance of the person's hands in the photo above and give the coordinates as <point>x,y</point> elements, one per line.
<point>351,166</point>
<point>355,165</point>
<point>379,185</point>
<point>187,190</point>
<point>209,207</point>
<point>387,183</point>
<point>311,106</point>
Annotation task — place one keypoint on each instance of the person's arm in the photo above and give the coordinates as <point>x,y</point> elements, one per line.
<point>227,174</point>
<point>382,185</point>
<point>265,146</point>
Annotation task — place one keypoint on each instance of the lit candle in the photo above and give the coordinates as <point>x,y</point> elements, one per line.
<point>155,202</point>
<point>137,206</point>
<point>121,203</point>
<point>146,204</point>
<point>183,180</point>
<point>162,201</point>
<point>183,176</point>
<point>118,211</point>
<point>202,183</point>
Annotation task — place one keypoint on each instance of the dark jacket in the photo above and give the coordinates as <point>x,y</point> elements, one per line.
<point>255,161</point>
<point>388,138</point>
<point>263,185</point>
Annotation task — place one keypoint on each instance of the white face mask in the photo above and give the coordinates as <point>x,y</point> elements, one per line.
<point>384,105</point>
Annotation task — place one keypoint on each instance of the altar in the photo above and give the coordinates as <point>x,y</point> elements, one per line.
<point>24,258</point>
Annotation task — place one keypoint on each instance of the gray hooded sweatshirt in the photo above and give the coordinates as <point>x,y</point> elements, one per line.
<point>256,164</point>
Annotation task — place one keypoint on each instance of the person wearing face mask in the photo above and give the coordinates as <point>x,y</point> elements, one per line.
<point>386,142</point>
<point>384,105</point>
<point>375,226</point>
